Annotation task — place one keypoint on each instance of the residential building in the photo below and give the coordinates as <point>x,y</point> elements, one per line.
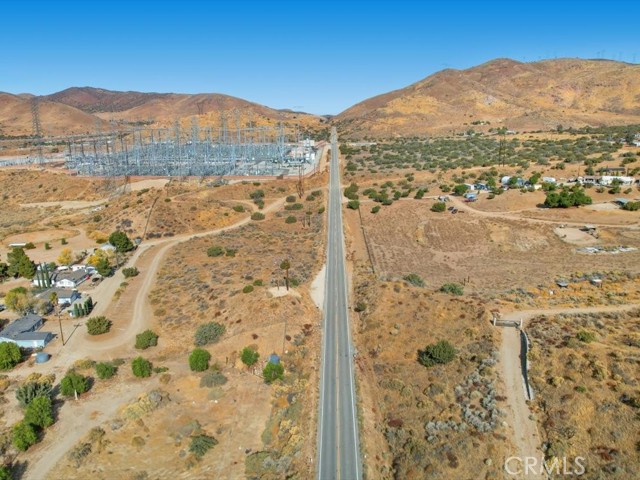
<point>24,332</point>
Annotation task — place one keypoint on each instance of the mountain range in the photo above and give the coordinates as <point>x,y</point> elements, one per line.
<point>500,93</point>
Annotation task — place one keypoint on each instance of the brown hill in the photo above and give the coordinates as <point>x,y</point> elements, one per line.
<point>55,118</point>
<point>506,93</point>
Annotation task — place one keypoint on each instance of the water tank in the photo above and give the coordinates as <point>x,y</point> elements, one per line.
<point>273,358</point>
<point>42,357</point>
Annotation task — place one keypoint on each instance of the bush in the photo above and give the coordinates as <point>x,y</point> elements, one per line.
<point>23,435</point>
<point>40,412</point>
<point>273,372</point>
<point>73,383</point>
<point>201,444</point>
<point>105,370</point>
<point>257,216</point>
<point>437,353</point>
<point>238,208</point>
<point>208,333</point>
<point>414,279</point>
<point>586,337</point>
<point>439,207</point>
<point>247,289</point>
<point>98,325</point>
<point>290,219</point>
<point>28,391</point>
<point>291,199</point>
<point>452,289</point>
<point>353,204</point>
<point>212,379</point>
<point>5,473</point>
<point>10,355</point>
<point>146,339</point>
<point>141,367</point>
<point>230,252</point>
<point>249,356</point>
<point>375,209</point>
<point>199,360</point>
<point>130,272</point>
<point>215,251</point>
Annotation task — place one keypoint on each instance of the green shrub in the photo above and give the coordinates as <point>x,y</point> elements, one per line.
<point>212,379</point>
<point>257,216</point>
<point>238,208</point>
<point>23,435</point>
<point>215,251</point>
<point>39,412</point>
<point>105,370</point>
<point>437,353</point>
<point>414,279</point>
<point>273,372</point>
<point>375,209</point>
<point>291,199</point>
<point>208,333</point>
<point>230,252</point>
<point>290,219</point>
<point>258,282</point>
<point>452,289</point>
<point>249,356</point>
<point>10,355</point>
<point>146,339</point>
<point>199,360</point>
<point>141,367</point>
<point>247,289</point>
<point>73,383</point>
<point>26,392</point>
<point>439,207</point>
<point>353,204</point>
<point>98,325</point>
<point>47,246</point>
<point>63,241</point>
<point>5,473</point>
<point>201,444</point>
<point>130,272</point>
<point>321,210</point>
<point>586,337</point>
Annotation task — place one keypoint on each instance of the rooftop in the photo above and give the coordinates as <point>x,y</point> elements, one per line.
<point>21,325</point>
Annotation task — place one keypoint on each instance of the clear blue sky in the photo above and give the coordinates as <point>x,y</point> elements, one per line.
<point>321,57</point>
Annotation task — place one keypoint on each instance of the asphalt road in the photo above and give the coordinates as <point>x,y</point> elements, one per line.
<point>338,444</point>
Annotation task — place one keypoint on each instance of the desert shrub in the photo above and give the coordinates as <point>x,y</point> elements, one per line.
<point>208,333</point>
<point>105,370</point>
<point>215,251</point>
<point>73,383</point>
<point>28,391</point>
<point>353,204</point>
<point>321,210</point>
<point>452,289</point>
<point>39,412</point>
<point>437,353</point>
<point>249,356</point>
<point>23,435</point>
<point>375,209</point>
<point>199,360</point>
<point>247,289</point>
<point>141,367</point>
<point>201,444</point>
<point>29,246</point>
<point>291,199</point>
<point>439,207</point>
<point>290,219</point>
<point>231,252</point>
<point>10,355</point>
<point>98,325</point>
<point>273,372</point>
<point>586,337</point>
<point>257,216</point>
<point>130,272</point>
<point>212,379</point>
<point>160,369</point>
<point>258,282</point>
<point>238,208</point>
<point>360,307</point>
<point>414,279</point>
<point>146,339</point>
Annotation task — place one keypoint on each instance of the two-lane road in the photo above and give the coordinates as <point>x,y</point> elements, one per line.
<point>338,444</point>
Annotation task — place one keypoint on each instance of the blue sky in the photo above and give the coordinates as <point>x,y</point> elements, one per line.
<point>320,57</point>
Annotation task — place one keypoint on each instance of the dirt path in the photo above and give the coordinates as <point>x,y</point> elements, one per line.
<point>524,429</point>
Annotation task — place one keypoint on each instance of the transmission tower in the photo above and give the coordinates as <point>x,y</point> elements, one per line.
<point>36,126</point>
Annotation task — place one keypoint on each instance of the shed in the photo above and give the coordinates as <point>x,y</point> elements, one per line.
<point>562,283</point>
<point>274,358</point>
<point>621,201</point>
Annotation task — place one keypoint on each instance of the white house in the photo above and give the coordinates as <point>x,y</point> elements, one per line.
<point>65,296</point>
<point>24,332</point>
<point>71,279</point>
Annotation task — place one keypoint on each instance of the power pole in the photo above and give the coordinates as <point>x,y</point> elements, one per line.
<point>36,126</point>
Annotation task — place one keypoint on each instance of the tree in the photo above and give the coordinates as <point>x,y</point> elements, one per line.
<point>460,189</point>
<point>73,383</point>
<point>65,257</point>
<point>146,339</point>
<point>105,370</point>
<point>199,360</point>
<point>353,204</point>
<point>273,372</point>
<point>286,265</point>
<point>39,412</point>
<point>4,271</point>
<point>201,444</point>
<point>439,207</point>
<point>535,178</point>
<point>103,266</point>
<point>19,300</point>
<point>249,356</point>
<point>5,473</point>
<point>98,325</point>
<point>121,241</point>
<point>23,436</point>
<point>208,333</point>
<point>10,355</point>
<point>20,265</point>
<point>141,367</point>
<point>437,353</point>
<point>28,391</point>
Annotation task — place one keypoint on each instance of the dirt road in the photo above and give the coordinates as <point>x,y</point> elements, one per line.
<point>525,436</point>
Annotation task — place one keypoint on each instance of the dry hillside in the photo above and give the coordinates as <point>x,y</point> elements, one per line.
<point>504,93</point>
